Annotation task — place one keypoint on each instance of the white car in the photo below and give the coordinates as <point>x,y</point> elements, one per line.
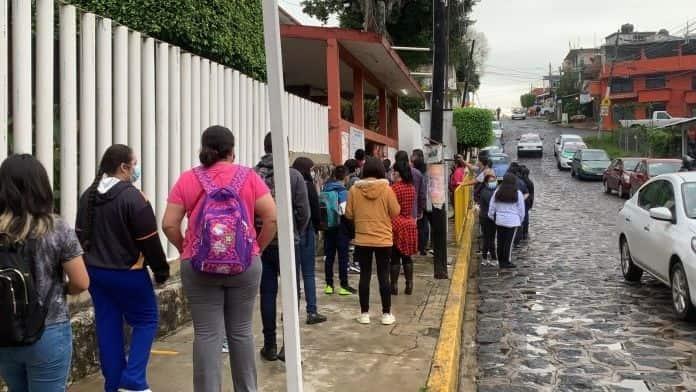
<point>558,144</point>
<point>530,144</point>
<point>566,156</point>
<point>657,234</point>
<point>518,114</point>
<point>497,129</point>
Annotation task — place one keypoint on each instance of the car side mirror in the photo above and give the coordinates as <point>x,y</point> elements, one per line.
<point>661,214</point>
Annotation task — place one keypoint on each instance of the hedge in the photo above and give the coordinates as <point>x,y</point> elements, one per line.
<point>229,32</point>
<point>474,127</point>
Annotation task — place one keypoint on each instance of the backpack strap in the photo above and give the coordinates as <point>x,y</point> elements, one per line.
<point>204,179</point>
<point>239,179</point>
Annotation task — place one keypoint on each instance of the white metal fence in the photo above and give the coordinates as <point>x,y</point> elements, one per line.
<point>119,86</point>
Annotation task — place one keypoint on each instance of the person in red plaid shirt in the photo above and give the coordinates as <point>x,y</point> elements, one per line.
<point>405,228</point>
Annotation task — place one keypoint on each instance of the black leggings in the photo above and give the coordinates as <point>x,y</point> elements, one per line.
<point>488,229</point>
<point>399,259</point>
<point>364,256</point>
<point>505,237</point>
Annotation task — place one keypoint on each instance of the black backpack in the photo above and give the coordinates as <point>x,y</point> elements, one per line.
<point>22,316</point>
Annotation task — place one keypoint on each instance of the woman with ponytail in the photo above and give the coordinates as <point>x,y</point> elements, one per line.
<point>118,232</point>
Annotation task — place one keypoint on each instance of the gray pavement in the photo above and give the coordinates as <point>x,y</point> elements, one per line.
<point>565,320</point>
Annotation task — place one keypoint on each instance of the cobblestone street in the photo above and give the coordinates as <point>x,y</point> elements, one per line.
<point>565,320</point>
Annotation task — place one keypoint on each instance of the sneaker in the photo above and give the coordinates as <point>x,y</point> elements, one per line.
<point>364,318</point>
<point>225,347</point>
<point>507,266</point>
<point>134,390</point>
<point>388,319</point>
<point>354,268</point>
<point>269,353</point>
<point>315,318</point>
<point>346,290</point>
<point>328,290</point>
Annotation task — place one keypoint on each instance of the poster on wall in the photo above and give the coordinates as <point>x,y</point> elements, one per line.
<point>437,185</point>
<point>345,146</point>
<point>391,154</point>
<point>357,141</point>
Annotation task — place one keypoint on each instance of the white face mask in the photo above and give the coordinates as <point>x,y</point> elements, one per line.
<point>492,184</point>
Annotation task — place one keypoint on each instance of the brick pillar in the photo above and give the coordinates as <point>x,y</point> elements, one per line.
<point>358,97</point>
<point>333,91</point>
<point>394,117</point>
<point>383,111</point>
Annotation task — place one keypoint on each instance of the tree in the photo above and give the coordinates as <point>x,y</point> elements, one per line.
<point>527,100</point>
<point>568,92</point>
<point>474,127</point>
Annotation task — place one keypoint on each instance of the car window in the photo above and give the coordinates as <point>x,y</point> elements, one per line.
<point>657,194</point>
<point>616,164</point>
<point>657,168</point>
<point>662,116</point>
<point>630,164</point>
<point>689,196</point>
<point>530,139</point>
<point>595,156</point>
<point>640,167</point>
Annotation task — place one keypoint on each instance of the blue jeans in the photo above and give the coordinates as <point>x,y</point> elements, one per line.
<point>43,366</point>
<point>336,241</point>
<point>305,267</point>
<point>118,296</point>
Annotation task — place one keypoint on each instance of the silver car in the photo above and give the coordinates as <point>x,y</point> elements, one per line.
<point>530,144</point>
<point>558,144</point>
<point>566,156</point>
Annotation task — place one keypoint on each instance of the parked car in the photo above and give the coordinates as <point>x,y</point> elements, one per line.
<point>519,114</point>
<point>648,168</point>
<point>659,119</point>
<point>495,148</point>
<point>500,163</point>
<point>589,164</point>
<point>564,159</point>
<point>656,235</point>
<point>618,176</point>
<point>530,144</point>
<point>497,129</point>
<point>558,144</point>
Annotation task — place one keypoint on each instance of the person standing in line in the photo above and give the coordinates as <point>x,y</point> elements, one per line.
<point>516,170</point>
<point>371,206</point>
<point>388,169</point>
<point>118,231</point>
<point>359,156</point>
<point>459,174</point>
<point>404,229</point>
<point>271,255</point>
<point>351,178</point>
<point>528,202</point>
<point>423,223</point>
<point>305,260</point>
<point>507,210</point>
<point>26,217</point>
<point>488,228</point>
<point>419,182</point>
<point>337,239</point>
<point>221,304</point>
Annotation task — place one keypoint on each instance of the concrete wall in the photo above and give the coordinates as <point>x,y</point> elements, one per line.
<point>410,135</point>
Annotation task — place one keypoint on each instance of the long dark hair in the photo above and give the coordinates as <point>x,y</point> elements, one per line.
<point>304,165</point>
<point>217,143</point>
<point>374,168</point>
<point>404,171</point>
<point>26,199</point>
<point>112,160</point>
<point>507,191</point>
<point>418,158</point>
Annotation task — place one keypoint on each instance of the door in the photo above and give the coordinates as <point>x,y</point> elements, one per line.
<point>640,224</point>
<point>640,176</point>
<point>660,234</point>
<point>614,174</point>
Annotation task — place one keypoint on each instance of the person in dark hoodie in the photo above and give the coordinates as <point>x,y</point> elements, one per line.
<point>271,255</point>
<point>306,261</point>
<point>118,232</point>
<point>488,228</point>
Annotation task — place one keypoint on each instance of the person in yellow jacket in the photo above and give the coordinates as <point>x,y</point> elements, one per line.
<point>371,206</point>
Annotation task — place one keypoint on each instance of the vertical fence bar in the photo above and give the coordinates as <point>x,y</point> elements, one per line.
<point>251,130</point>
<point>174,116</point>
<point>228,99</point>
<point>212,108</point>
<point>44,84</point>
<point>205,95</point>
<point>235,105</point>
<point>68,113</point>
<point>162,130</point>
<point>21,76</point>
<point>237,113</point>
<point>255,118</point>
<point>261,109</point>
<point>121,85</point>
<point>185,112</point>
<point>135,44</point>
<point>196,123</point>
<point>104,86</point>
<point>88,99</point>
<point>148,125</point>
<point>4,56</point>
<point>221,95</point>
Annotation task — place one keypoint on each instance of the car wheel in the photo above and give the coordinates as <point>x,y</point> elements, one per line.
<point>621,193</point>
<point>605,187</point>
<point>681,297</point>
<point>630,271</point>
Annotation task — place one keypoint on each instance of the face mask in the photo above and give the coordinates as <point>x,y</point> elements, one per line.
<point>493,184</point>
<point>136,173</point>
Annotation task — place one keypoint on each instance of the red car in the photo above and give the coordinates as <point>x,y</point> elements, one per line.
<point>649,167</point>
<point>618,175</point>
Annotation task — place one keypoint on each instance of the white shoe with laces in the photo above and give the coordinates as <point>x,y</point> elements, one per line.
<point>388,319</point>
<point>364,318</point>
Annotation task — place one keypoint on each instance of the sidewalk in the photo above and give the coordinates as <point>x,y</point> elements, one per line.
<point>338,355</point>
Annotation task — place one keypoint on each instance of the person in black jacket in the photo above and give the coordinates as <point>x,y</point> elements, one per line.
<point>118,232</point>
<point>488,228</point>
<point>305,258</point>
<point>529,202</point>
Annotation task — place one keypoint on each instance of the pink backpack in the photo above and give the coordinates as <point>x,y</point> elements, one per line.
<point>225,241</point>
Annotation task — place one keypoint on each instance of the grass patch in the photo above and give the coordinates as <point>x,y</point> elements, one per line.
<point>608,143</point>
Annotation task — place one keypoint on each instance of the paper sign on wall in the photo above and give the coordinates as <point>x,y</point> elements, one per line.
<point>357,141</point>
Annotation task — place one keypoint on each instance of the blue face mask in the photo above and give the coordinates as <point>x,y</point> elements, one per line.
<point>493,184</point>
<point>136,173</point>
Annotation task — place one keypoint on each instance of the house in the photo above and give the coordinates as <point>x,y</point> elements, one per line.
<point>587,63</point>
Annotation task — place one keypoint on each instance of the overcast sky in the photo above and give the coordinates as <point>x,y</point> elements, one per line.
<point>525,35</point>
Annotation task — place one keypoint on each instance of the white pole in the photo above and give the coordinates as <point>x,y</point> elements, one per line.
<point>186,143</point>
<point>261,109</point>
<point>88,96</point>
<point>205,95</point>
<point>255,116</point>
<point>162,131</point>
<point>196,124</point>
<point>235,107</point>
<point>174,116</point>
<point>274,67</point>
<point>250,132</point>
<point>104,87</point>
<point>3,79</point>
<point>242,130</point>
<point>121,85</point>
<point>213,94</point>
<point>228,99</point>
<point>221,95</point>
<point>44,84</point>
<point>21,76</point>
<point>134,95</point>
<point>148,124</point>
<point>68,113</point>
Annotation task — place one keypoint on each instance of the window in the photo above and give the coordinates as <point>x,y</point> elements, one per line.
<point>622,85</point>
<point>689,195</point>
<point>693,83</point>
<point>655,81</point>
<point>630,164</point>
<point>657,194</point>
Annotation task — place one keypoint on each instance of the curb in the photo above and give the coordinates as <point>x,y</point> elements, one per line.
<point>444,371</point>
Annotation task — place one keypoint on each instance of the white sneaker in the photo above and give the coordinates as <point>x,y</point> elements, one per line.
<point>364,318</point>
<point>388,319</point>
<point>130,390</point>
<point>225,347</point>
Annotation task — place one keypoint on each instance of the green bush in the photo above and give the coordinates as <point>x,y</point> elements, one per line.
<point>527,100</point>
<point>474,128</point>
<point>229,32</point>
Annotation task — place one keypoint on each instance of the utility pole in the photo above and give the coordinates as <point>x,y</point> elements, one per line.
<point>439,214</point>
<point>469,63</point>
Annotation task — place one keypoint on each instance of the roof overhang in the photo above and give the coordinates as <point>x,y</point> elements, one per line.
<point>304,59</point>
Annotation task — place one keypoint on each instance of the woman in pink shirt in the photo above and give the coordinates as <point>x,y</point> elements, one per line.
<point>218,300</point>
